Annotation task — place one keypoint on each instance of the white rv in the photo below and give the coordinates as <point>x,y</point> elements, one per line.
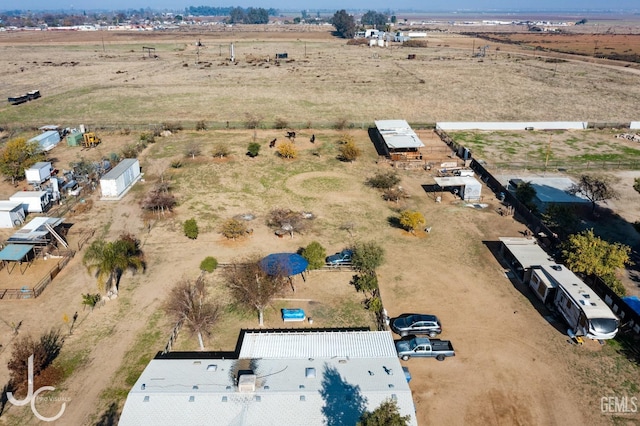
<point>582,309</point>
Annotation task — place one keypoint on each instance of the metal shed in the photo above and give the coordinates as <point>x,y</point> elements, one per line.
<point>120,179</point>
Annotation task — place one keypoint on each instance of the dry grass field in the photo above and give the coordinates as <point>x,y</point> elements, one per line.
<point>514,364</point>
<point>105,79</point>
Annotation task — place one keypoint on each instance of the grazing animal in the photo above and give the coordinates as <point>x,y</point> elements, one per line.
<point>291,135</point>
<point>273,143</point>
<point>313,138</point>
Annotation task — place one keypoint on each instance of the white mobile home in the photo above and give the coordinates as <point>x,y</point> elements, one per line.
<point>33,201</point>
<point>115,184</point>
<point>11,214</point>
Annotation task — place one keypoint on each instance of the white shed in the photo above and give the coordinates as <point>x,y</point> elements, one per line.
<point>11,214</point>
<point>467,187</point>
<point>115,184</point>
<point>39,172</point>
<point>33,201</point>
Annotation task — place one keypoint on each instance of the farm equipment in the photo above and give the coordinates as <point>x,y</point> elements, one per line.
<point>90,140</point>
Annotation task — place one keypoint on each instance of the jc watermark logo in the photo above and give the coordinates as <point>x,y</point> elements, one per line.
<point>33,396</point>
<point>619,404</point>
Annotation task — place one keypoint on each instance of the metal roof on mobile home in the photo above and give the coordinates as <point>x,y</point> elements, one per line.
<point>356,344</point>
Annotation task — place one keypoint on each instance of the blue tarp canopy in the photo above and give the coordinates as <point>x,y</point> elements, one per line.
<point>286,264</point>
<point>15,252</point>
<point>633,302</point>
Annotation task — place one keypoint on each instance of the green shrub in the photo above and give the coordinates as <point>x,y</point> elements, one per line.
<point>384,180</point>
<point>253,149</point>
<point>191,229</point>
<point>315,255</point>
<point>209,264</point>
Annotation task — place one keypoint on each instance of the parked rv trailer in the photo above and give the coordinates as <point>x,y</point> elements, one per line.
<point>582,309</point>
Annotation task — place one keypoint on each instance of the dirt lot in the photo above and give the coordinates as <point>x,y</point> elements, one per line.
<point>513,364</point>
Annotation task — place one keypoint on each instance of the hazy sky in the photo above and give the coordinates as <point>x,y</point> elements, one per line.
<point>381,5</point>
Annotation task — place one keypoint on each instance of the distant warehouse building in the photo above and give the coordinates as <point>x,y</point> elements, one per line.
<point>115,184</point>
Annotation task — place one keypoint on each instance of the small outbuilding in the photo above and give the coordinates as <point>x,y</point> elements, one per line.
<point>11,214</point>
<point>39,172</point>
<point>47,140</point>
<point>33,201</point>
<point>467,187</point>
<point>115,184</point>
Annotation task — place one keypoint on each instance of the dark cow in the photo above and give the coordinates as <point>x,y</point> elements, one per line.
<point>273,143</point>
<point>291,135</point>
<point>313,138</point>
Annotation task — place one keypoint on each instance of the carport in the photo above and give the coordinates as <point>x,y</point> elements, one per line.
<point>17,254</point>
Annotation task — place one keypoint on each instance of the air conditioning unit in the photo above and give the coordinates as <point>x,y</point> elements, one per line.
<point>247,383</point>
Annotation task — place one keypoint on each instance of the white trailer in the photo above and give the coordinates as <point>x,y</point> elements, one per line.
<point>47,140</point>
<point>583,310</point>
<point>115,184</point>
<point>33,201</point>
<point>39,172</point>
<point>11,214</point>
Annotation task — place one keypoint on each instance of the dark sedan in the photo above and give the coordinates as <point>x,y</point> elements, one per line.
<point>416,324</point>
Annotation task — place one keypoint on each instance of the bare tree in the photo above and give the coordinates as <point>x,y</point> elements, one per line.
<point>159,199</point>
<point>252,286</point>
<point>594,188</point>
<point>192,150</point>
<point>188,303</point>
<point>287,220</point>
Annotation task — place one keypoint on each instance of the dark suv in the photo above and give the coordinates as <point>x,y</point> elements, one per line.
<point>416,324</point>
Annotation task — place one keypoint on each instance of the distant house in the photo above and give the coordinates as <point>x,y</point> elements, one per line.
<point>277,377</point>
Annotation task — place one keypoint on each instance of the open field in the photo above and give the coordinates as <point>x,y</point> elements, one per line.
<point>513,364</point>
<point>106,80</point>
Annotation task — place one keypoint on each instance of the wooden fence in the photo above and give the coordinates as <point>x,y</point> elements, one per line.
<point>36,290</point>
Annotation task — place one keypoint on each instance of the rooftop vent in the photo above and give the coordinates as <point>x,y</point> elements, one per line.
<point>394,397</point>
<point>192,398</point>
<point>212,367</point>
<point>195,387</point>
<point>303,398</point>
<point>247,383</point>
<point>146,398</point>
<point>197,362</point>
<point>556,267</point>
<point>224,399</point>
<point>266,387</point>
<point>257,398</point>
<point>310,373</point>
